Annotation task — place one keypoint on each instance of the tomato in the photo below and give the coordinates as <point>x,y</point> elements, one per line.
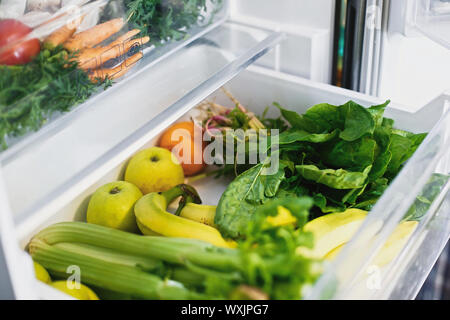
<point>12,50</point>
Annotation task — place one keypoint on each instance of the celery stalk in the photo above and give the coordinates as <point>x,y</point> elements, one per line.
<point>111,276</point>
<point>146,264</point>
<point>172,250</point>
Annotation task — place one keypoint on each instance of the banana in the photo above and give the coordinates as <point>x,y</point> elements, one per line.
<point>331,231</point>
<point>199,212</point>
<point>150,211</point>
<point>145,230</point>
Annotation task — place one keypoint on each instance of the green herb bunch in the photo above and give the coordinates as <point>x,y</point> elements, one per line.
<point>30,94</point>
<point>165,20</point>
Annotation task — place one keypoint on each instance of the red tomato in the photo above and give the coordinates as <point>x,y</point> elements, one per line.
<point>12,49</point>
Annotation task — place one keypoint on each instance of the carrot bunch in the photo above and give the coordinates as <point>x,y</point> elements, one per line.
<point>90,56</point>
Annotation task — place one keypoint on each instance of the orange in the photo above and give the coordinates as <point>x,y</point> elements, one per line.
<point>185,137</point>
<point>175,133</point>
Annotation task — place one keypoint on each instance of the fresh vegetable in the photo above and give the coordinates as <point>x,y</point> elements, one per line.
<point>342,156</point>
<point>61,35</point>
<point>151,212</point>
<point>220,122</point>
<point>91,58</point>
<point>32,93</point>
<point>165,20</point>
<point>154,169</point>
<point>177,268</point>
<point>15,47</point>
<point>112,205</point>
<point>426,197</point>
<point>185,140</point>
<point>41,273</point>
<point>78,291</point>
<point>94,35</point>
<point>100,75</point>
<point>244,195</point>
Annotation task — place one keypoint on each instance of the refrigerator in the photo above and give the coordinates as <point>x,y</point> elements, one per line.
<point>296,52</point>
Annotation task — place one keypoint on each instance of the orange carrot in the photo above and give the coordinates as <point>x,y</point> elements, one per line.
<point>116,72</point>
<point>92,58</point>
<point>62,34</point>
<point>125,37</point>
<point>94,35</point>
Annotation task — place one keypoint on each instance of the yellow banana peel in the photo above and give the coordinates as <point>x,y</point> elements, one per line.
<point>151,214</point>
<point>199,212</point>
<point>283,218</point>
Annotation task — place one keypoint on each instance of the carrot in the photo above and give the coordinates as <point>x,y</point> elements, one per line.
<point>116,72</point>
<point>62,34</point>
<point>125,37</point>
<point>94,35</point>
<point>95,57</point>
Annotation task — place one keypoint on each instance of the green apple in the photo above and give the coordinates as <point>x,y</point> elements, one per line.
<point>112,205</point>
<point>154,170</point>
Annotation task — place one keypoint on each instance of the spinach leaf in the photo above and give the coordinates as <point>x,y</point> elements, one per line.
<point>292,117</point>
<point>355,155</point>
<point>358,121</point>
<point>297,135</point>
<point>403,145</point>
<point>427,196</point>
<point>243,196</point>
<point>377,112</point>
<point>337,179</point>
<point>373,191</point>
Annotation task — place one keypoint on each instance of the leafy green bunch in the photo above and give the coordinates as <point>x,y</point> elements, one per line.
<point>166,20</point>
<point>269,260</point>
<point>341,156</point>
<point>345,156</point>
<point>30,94</point>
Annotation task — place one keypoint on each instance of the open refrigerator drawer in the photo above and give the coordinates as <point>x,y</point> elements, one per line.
<point>49,176</point>
<point>347,275</point>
